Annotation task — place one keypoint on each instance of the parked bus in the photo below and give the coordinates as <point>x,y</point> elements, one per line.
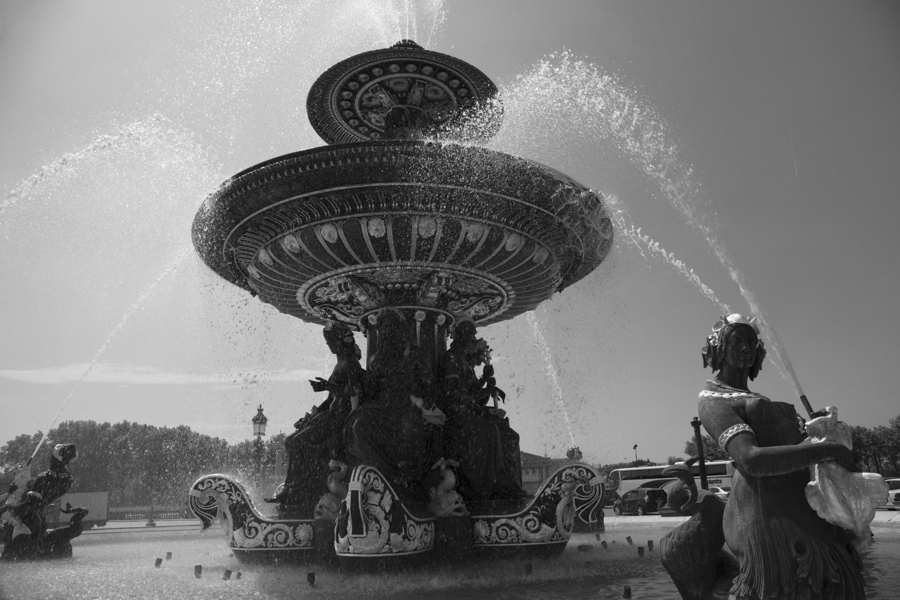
<point>719,473</point>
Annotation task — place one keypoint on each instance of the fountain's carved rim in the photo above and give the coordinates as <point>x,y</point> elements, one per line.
<point>387,219</point>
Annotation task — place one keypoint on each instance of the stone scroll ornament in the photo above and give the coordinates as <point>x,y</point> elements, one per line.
<point>548,518</point>
<point>588,498</point>
<point>373,521</point>
<point>218,496</point>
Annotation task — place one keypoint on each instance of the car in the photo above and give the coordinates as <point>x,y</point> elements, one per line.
<point>721,493</point>
<point>640,501</point>
<point>893,500</point>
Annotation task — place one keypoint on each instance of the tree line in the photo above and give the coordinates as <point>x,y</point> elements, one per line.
<point>142,464</point>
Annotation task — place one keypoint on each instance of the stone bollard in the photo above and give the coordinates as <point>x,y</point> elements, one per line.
<point>158,563</point>
<point>626,593</point>
<point>605,545</point>
<point>168,556</point>
<point>311,579</point>
<point>597,536</point>
<point>528,568</point>
<point>238,576</point>
<point>227,575</point>
<point>641,551</point>
<point>198,571</point>
<point>628,539</point>
<point>650,545</point>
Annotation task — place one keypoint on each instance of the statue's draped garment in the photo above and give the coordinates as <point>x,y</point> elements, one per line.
<point>388,431</point>
<point>319,437</point>
<point>784,548</point>
<point>483,442</point>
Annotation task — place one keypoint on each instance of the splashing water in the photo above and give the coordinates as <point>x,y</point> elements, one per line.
<point>401,19</point>
<point>644,242</point>
<point>144,133</point>
<point>564,100</point>
<point>142,298</point>
<point>550,369</point>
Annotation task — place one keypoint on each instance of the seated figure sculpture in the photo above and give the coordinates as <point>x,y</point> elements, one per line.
<point>395,426</point>
<point>29,537</point>
<point>476,435</point>
<point>318,438</point>
<point>784,548</point>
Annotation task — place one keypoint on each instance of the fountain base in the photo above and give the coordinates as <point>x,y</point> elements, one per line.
<point>377,530</point>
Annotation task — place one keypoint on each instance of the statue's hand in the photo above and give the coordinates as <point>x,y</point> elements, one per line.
<point>318,384</point>
<point>434,416</point>
<point>488,371</point>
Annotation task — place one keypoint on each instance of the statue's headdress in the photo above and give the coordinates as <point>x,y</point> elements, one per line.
<point>339,334</point>
<point>464,327</point>
<point>64,453</point>
<point>714,351</point>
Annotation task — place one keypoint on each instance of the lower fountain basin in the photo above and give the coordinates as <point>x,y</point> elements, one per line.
<point>377,529</point>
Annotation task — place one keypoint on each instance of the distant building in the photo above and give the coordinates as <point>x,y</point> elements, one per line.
<point>537,469</point>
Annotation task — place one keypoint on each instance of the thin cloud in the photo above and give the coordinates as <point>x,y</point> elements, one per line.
<point>144,375</point>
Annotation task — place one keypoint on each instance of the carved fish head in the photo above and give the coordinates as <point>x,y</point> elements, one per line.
<point>213,497</point>
<point>449,504</point>
<point>328,508</point>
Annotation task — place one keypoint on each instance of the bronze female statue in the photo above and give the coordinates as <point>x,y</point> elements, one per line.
<point>29,537</point>
<point>394,428</point>
<point>784,548</point>
<point>319,435</point>
<point>479,437</point>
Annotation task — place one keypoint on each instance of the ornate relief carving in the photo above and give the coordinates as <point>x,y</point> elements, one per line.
<point>374,521</point>
<point>351,100</point>
<point>548,518</point>
<point>526,222</point>
<point>216,496</point>
<point>348,297</point>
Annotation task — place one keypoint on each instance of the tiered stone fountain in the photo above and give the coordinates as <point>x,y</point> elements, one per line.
<point>402,212</point>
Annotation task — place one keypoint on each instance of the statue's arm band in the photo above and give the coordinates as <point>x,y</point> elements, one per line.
<point>731,432</point>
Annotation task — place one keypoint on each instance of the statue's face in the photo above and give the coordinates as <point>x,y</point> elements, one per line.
<point>741,349</point>
<point>347,345</point>
<point>334,346</point>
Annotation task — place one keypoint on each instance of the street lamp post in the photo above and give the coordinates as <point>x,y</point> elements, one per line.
<point>698,441</point>
<point>635,453</point>
<point>259,430</point>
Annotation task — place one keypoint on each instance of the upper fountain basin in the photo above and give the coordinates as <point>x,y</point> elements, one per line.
<point>339,232</point>
<point>361,97</point>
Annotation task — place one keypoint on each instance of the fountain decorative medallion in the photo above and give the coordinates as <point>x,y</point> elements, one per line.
<point>351,100</point>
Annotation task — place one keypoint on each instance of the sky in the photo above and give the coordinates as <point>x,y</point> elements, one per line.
<point>760,136</point>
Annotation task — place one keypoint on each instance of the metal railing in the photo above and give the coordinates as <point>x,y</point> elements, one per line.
<point>145,513</point>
